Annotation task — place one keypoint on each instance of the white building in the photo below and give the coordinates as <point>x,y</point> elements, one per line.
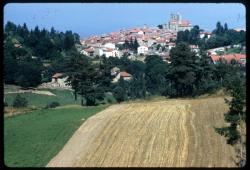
<point>98,52</point>
<point>59,80</point>
<point>116,53</point>
<point>111,52</point>
<point>203,34</point>
<point>177,24</point>
<point>109,45</point>
<point>140,33</point>
<point>142,50</point>
<point>84,52</point>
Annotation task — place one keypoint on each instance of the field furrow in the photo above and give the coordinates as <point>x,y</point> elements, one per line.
<point>172,133</point>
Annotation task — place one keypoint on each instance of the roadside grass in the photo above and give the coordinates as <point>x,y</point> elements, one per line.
<point>33,139</point>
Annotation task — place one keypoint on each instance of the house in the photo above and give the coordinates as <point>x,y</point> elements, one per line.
<point>140,32</point>
<point>18,45</point>
<point>98,52</point>
<point>142,50</point>
<point>108,52</point>
<point>126,76</point>
<point>240,58</point>
<point>59,80</point>
<point>116,53</point>
<point>88,52</point>
<point>109,45</point>
<point>205,34</point>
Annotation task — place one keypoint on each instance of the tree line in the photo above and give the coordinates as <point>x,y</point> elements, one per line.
<point>222,36</point>
<point>26,50</point>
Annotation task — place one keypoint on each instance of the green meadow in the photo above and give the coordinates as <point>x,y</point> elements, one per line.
<point>33,139</point>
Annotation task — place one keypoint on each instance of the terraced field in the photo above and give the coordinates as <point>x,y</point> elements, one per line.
<point>170,133</point>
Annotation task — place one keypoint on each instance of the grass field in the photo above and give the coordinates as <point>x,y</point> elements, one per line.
<point>38,100</point>
<point>166,133</point>
<point>64,97</point>
<point>32,139</point>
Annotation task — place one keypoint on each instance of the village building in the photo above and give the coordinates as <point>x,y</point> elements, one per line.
<point>18,45</point>
<point>205,34</point>
<point>59,80</point>
<point>123,74</point>
<point>177,24</point>
<point>109,45</point>
<point>239,58</point>
<point>88,52</point>
<point>98,52</point>
<point>142,50</point>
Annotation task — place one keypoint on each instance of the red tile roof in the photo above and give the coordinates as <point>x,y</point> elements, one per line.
<point>57,75</point>
<point>124,74</point>
<point>89,50</point>
<point>229,57</point>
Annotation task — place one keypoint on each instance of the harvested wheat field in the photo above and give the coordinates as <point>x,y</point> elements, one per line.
<point>170,133</point>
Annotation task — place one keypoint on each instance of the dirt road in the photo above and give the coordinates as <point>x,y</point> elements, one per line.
<point>172,133</point>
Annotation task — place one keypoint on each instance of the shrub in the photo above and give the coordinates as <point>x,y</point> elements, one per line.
<point>119,94</point>
<point>52,105</point>
<point>20,101</point>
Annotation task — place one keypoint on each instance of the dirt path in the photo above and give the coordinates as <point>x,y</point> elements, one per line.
<point>173,133</point>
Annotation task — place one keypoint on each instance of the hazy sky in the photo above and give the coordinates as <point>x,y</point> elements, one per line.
<point>97,18</point>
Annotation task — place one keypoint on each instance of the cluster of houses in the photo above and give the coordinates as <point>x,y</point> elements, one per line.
<point>147,38</point>
<point>151,40</point>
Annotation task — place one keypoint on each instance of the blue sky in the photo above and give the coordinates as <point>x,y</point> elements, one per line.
<point>97,18</point>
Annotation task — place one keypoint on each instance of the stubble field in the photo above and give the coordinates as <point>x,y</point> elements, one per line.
<point>170,133</point>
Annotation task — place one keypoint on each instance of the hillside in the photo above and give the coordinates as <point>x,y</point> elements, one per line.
<point>169,133</point>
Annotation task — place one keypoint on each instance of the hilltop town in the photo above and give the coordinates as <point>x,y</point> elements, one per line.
<point>149,41</point>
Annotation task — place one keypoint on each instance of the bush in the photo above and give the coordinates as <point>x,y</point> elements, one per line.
<point>119,94</point>
<point>52,105</point>
<point>20,101</point>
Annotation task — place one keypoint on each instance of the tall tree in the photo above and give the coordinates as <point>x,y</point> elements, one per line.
<point>183,69</point>
<point>225,27</point>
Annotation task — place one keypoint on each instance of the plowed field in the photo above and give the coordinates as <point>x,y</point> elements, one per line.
<point>170,133</point>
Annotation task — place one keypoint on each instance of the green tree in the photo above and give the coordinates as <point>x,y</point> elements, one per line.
<point>155,72</point>
<point>183,70</point>
<point>236,112</point>
<point>160,26</point>
<point>225,27</point>
<point>119,93</point>
<point>20,101</point>
<point>25,78</point>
